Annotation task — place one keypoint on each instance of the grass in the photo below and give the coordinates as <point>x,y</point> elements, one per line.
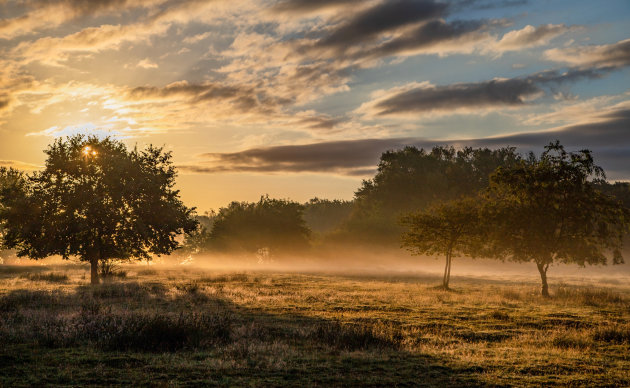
<point>195,327</point>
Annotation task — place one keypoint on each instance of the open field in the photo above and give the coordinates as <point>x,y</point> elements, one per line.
<point>191,326</point>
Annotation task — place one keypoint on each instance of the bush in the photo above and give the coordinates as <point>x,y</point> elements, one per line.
<point>163,333</point>
<point>618,335</point>
<point>117,332</point>
<point>356,337</point>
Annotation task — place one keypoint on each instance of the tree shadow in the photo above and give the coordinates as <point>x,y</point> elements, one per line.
<point>146,333</point>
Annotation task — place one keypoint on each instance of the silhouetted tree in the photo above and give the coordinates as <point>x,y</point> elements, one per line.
<point>273,224</point>
<point>450,229</point>
<point>549,210</point>
<point>98,201</point>
<point>412,179</point>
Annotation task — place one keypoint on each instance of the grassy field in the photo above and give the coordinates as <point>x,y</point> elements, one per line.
<point>184,327</point>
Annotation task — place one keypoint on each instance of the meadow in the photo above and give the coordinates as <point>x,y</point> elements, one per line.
<point>186,326</point>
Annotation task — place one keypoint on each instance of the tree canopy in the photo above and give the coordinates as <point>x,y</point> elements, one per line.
<point>274,224</point>
<point>98,201</point>
<point>549,210</point>
<point>412,179</point>
<point>324,215</point>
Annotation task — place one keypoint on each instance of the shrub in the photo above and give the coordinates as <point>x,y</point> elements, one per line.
<point>356,337</point>
<point>48,277</point>
<point>613,334</point>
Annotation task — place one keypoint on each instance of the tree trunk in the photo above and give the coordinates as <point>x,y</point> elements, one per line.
<point>94,271</point>
<point>542,268</point>
<point>448,275</point>
<point>447,271</point>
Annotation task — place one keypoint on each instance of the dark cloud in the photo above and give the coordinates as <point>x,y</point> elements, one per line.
<point>321,122</point>
<point>354,157</point>
<point>607,136</point>
<point>244,98</point>
<point>487,94</point>
<point>509,92</point>
<point>310,5</point>
<point>487,4</point>
<point>430,34</point>
<point>386,16</point>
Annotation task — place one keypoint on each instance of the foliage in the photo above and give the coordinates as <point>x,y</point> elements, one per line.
<point>449,229</point>
<point>275,224</point>
<point>98,201</point>
<point>412,179</point>
<point>549,210</point>
<point>324,215</point>
<point>619,190</point>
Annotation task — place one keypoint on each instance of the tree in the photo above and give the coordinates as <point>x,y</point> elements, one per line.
<point>548,210</point>
<point>324,215</point>
<point>97,201</point>
<point>450,229</point>
<point>413,179</point>
<point>273,224</point>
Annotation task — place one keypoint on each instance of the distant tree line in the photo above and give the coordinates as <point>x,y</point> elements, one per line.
<point>556,208</point>
<point>98,201</point>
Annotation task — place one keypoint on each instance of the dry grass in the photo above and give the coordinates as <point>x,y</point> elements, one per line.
<point>194,327</point>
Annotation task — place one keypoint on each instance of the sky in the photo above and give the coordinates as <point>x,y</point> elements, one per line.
<point>298,98</point>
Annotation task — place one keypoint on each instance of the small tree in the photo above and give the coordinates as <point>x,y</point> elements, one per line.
<point>449,229</point>
<point>548,210</point>
<point>98,201</point>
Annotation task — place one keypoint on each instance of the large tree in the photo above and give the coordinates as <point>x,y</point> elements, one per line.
<point>549,210</point>
<point>98,201</point>
<point>451,229</point>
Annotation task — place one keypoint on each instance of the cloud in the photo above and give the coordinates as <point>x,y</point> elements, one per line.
<point>615,55</point>
<point>353,157</point>
<point>384,17</point>
<point>46,14</point>
<point>423,98</point>
<point>530,36</point>
<point>54,51</point>
<point>606,134</point>
<point>146,63</point>
<point>241,97</point>
<point>305,6</point>
<point>432,37</point>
